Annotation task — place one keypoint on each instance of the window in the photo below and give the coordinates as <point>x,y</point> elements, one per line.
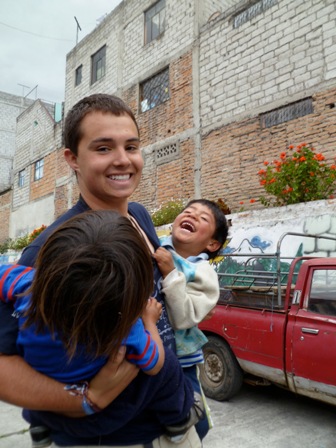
<point>21,180</point>
<point>155,90</point>
<point>252,11</point>
<point>322,297</point>
<point>98,65</point>
<point>78,78</point>
<point>38,173</point>
<point>287,113</point>
<point>155,21</point>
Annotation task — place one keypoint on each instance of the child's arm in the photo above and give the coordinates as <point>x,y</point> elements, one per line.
<point>164,260</point>
<point>150,316</point>
<point>188,303</point>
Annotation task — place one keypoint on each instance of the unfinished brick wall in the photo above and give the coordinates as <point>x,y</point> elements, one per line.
<point>233,154</point>
<point>46,185</point>
<point>5,209</point>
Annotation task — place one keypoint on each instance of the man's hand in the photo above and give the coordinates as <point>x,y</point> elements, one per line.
<point>111,380</point>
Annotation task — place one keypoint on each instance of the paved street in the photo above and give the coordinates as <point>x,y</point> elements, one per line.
<point>256,418</point>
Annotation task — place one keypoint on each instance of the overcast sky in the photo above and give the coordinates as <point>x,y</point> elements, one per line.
<point>36,35</point>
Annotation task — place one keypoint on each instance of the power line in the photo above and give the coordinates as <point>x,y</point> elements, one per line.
<point>35,34</point>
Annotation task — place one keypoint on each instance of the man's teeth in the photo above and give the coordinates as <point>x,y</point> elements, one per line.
<point>120,177</point>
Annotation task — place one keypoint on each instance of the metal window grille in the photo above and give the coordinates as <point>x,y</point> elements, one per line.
<point>167,153</point>
<point>98,61</point>
<point>78,77</point>
<point>38,173</point>
<point>287,113</point>
<point>253,11</point>
<point>155,19</point>
<point>21,179</point>
<point>154,91</point>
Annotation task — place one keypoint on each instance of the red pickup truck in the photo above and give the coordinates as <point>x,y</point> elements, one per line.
<point>275,323</point>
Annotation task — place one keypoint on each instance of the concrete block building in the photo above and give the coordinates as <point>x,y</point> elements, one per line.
<point>217,87</point>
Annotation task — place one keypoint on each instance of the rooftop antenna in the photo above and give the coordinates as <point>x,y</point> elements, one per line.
<point>23,87</point>
<point>78,28</point>
<point>34,88</point>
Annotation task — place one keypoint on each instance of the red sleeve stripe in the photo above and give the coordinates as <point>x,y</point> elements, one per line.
<point>3,279</point>
<point>143,354</point>
<point>143,366</point>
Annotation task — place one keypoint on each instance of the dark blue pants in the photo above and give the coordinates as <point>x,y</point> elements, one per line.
<point>202,427</point>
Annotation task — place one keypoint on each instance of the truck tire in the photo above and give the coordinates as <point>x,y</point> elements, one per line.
<point>220,375</point>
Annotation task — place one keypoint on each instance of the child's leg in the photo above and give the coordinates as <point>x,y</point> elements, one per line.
<point>202,427</point>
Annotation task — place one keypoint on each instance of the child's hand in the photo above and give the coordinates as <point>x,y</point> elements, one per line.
<point>152,312</point>
<point>164,260</point>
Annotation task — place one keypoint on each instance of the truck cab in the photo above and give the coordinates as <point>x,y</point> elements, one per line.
<point>275,323</point>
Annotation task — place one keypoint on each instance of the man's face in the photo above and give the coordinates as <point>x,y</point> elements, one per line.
<point>109,161</point>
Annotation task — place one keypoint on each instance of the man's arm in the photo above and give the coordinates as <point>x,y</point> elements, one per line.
<point>23,386</point>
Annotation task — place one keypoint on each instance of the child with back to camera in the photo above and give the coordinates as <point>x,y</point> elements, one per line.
<point>83,301</point>
<point>190,283</point>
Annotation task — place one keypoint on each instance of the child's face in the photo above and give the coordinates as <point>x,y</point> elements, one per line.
<point>109,161</point>
<point>193,230</point>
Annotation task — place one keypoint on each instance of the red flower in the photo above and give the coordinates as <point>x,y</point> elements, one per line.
<point>241,202</point>
<point>291,147</point>
<point>252,201</point>
<point>266,163</point>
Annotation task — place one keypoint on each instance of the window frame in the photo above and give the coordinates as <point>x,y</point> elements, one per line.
<point>21,178</point>
<point>78,75</point>
<point>151,103</point>
<point>98,65</point>
<point>156,12</point>
<point>38,169</point>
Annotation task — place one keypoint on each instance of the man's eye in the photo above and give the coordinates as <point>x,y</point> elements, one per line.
<point>132,148</point>
<point>102,149</point>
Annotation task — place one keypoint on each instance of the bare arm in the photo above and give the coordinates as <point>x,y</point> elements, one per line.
<point>23,386</point>
<point>149,317</point>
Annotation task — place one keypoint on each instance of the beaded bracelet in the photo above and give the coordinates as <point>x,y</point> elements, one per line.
<point>81,389</point>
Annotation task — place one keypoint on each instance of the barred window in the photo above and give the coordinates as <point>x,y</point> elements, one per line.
<point>155,90</point>
<point>21,178</point>
<point>78,77</point>
<point>287,113</point>
<point>252,11</point>
<point>98,61</point>
<point>155,18</point>
<point>38,171</point>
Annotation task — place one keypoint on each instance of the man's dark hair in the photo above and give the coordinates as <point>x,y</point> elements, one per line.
<point>93,279</point>
<point>221,231</point>
<point>100,102</point>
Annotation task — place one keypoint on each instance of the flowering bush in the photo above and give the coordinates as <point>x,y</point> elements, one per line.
<point>35,233</point>
<point>167,212</point>
<point>22,241</point>
<point>301,175</point>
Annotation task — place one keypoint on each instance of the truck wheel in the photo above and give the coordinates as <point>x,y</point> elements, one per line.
<point>220,375</point>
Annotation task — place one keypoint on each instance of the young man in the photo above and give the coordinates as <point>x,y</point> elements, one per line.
<point>103,148</point>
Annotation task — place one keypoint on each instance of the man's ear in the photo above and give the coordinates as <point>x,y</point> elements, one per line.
<point>213,246</point>
<point>71,159</point>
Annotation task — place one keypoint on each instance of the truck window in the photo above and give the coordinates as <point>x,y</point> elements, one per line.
<point>322,297</point>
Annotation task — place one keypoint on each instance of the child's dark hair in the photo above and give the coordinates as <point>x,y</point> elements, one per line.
<point>221,231</point>
<point>93,279</point>
<point>101,102</point>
